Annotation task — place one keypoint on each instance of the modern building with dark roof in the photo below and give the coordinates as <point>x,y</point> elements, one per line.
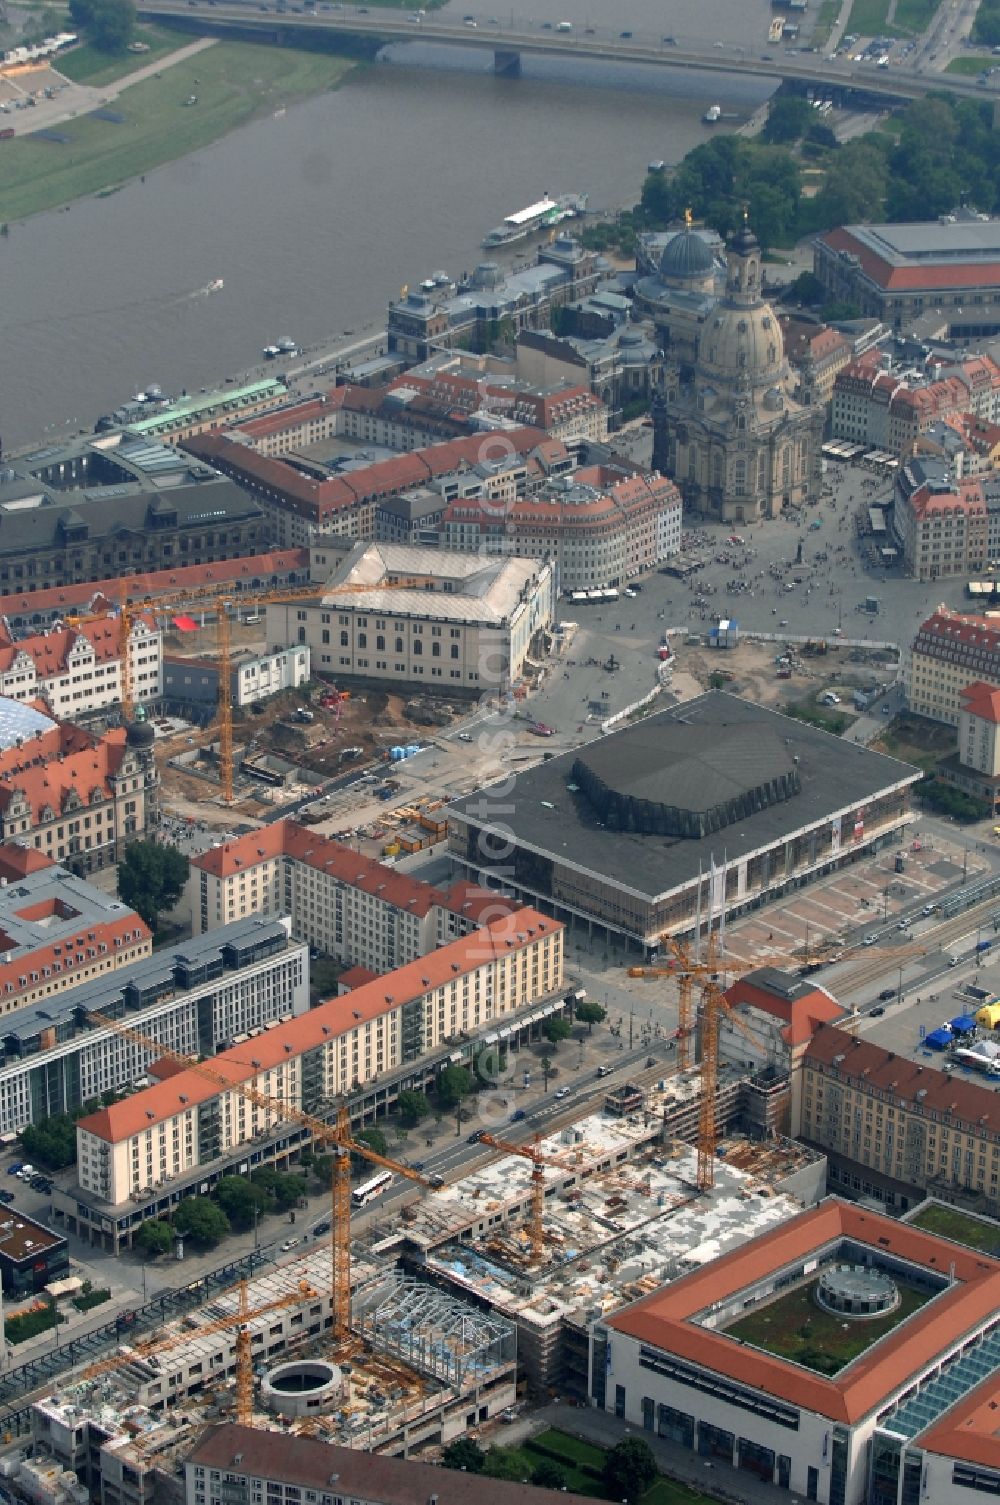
<point>100,509</point>
<point>898,273</point>
<point>910,1415</point>
<point>646,828</point>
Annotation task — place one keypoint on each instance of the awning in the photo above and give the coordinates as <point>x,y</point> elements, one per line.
<point>186,624</point>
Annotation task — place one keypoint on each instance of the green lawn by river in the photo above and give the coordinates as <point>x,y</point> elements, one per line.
<point>232,81</point>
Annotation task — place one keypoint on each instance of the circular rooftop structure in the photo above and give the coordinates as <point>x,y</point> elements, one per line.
<point>301,1387</point>
<point>685,780</point>
<point>856,1291</point>
<point>20,722</point>
<point>686,255</point>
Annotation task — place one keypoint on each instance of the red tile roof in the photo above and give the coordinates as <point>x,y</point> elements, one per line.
<point>355,977</point>
<point>666,1319</point>
<point>17,862</point>
<point>286,838</point>
<point>802,1015</point>
<point>318,500</point>
<point>946,629</point>
<point>929,275</point>
<point>228,572</point>
<point>970,1431</point>
<point>50,650</point>
<point>65,958</point>
<point>965,496</point>
<point>954,1098</point>
<point>309,1031</point>
<point>47,767</point>
<point>982,700</point>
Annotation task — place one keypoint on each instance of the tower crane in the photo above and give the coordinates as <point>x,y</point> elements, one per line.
<point>338,1135</point>
<point>223,601</point>
<point>244,1355</point>
<point>538,1160</point>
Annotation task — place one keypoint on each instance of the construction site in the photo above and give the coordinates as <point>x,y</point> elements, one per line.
<point>458,1306</point>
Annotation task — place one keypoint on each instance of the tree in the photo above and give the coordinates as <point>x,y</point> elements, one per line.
<point>413,1107</point>
<point>154,1237</point>
<point>787,118</point>
<point>288,1191</point>
<point>240,1200</point>
<point>548,1474</point>
<point>556,1028</point>
<point>590,1013</point>
<point>629,1469</point>
<point>375,1140</point>
<point>52,1142</point>
<point>507,1463</point>
<point>453,1083</point>
<point>151,878</point>
<point>109,24</point>
<point>464,1454</point>
<point>806,289</point>
<point>201,1221</point>
<point>546,1064</point>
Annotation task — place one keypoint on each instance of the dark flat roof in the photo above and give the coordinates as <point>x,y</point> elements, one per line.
<point>544,816</point>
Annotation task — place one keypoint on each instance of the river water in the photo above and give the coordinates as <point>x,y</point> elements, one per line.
<point>316,217</point>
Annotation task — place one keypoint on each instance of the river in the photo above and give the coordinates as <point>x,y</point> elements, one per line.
<point>316,217</point>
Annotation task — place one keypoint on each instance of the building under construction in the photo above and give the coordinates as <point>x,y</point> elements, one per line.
<point>621,1213</point>
<point>421,1362</point>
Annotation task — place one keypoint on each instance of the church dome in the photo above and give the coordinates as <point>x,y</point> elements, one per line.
<point>686,255</point>
<point>742,345</point>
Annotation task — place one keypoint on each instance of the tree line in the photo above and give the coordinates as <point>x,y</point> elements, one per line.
<point>940,152</point>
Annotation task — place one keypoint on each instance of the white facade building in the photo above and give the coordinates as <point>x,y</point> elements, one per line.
<point>77,670</point>
<point>192,1000</point>
<point>187,1120</point>
<point>450,622</point>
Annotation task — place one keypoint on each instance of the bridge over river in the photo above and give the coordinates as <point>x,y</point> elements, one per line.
<point>849,83</point>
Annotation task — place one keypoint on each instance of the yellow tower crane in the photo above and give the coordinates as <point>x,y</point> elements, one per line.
<point>538,1160</point>
<point>223,602</point>
<point>338,1135</point>
<point>244,1357</point>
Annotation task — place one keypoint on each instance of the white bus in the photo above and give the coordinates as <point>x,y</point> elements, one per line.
<point>373,1187</point>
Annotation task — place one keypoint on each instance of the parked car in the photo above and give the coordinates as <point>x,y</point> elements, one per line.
<point>15,1169</point>
<point>6,1197</point>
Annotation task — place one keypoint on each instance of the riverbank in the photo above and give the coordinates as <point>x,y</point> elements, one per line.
<point>161,119</point>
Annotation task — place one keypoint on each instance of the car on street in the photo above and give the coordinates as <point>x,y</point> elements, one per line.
<point>320,1229</point>
<point>290,1243</point>
<point>476,1136</point>
<point>417,1165</point>
<point>605,1070</point>
<point>563,1092</point>
<point>517,1116</point>
<point>464,737</point>
<point>887,993</point>
<point>877,1011</point>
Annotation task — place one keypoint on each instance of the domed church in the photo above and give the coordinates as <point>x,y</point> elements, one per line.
<point>727,429</point>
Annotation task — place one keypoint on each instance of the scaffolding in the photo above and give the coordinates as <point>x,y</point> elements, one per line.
<point>435,1334</point>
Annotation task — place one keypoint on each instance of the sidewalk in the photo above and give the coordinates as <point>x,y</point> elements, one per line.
<point>709,1475</point>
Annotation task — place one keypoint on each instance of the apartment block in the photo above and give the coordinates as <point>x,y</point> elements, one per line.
<point>949,653</point>
<point>193,999</point>
<point>57,931</point>
<point>347,906</point>
<point>187,1120</point>
<point>897,1129</point>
